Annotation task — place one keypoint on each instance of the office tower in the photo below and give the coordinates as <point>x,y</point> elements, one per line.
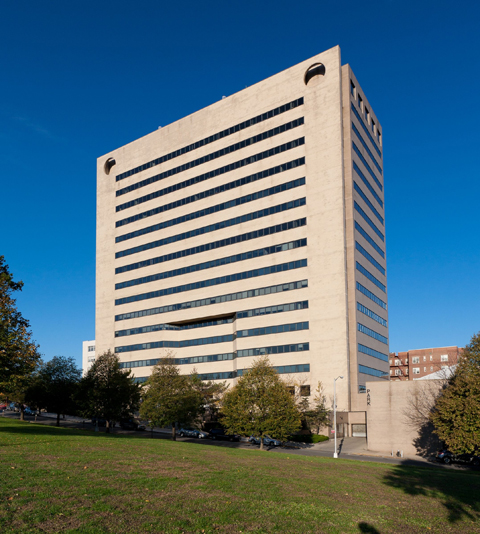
<point>253,226</point>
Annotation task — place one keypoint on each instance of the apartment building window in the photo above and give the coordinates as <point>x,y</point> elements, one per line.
<point>431,357</point>
<point>397,362</point>
<point>416,359</point>
<point>444,366</point>
<point>91,348</point>
<point>398,372</point>
<point>391,371</point>
<point>391,362</point>
<point>424,369</point>
<point>444,358</point>
<point>406,371</point>
<point>431,368</point>
<point>416,370</point>
<point>424,358</point>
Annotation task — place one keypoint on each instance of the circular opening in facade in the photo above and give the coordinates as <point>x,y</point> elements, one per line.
<point>317,69</point>
<point>108,165</point>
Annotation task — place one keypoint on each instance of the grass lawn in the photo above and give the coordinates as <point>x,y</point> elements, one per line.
<point>62,480</point>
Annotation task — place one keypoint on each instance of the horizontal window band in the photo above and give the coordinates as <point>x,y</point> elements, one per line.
<point>229,222</point>
<point>364,179</point>
<point>369,221</point>
<point>367,166</point>
<point>217,172</point>
<point>370,277</point>
<point>267,330</point>
<point>365,129</point>
<point>284,369</point>
<point>210,139</point>
<point>369,257</point>
<point>239,295</point>
<point>371,333</point>
<point>228,260</point>
<point>365,146</point>
<point>371,296</point>
<point>281,370</point>
<point>204,159</point>
<point>364,197</point>
<point>277,349</point>
<point>214,281</point>
<point>277,329</point>
<point>280,308</point>
<point>369,313</point>
<point>371,371</point>
<point>369,239</point>
<point>224,187</point>
<point>179,361</point>
<point>271,230</point>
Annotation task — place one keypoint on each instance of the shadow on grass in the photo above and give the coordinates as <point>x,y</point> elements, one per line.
<point>369,529</point>
<point>457,491</point>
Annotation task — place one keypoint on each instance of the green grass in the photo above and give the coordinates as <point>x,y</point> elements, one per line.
<point>60,480</point>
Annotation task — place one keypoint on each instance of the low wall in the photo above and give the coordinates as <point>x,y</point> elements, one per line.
<point>390,407</point>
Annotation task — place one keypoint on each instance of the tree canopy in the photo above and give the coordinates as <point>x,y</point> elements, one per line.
<point>260,404</point>
<point>19,354</point>
<point>108,392</point>
<point>316,415</point>
<point>170,397</point>
<point>456,415</point>
<point>54,386</point>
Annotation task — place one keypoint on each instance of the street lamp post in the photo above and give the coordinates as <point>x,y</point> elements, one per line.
<point>335,455</point>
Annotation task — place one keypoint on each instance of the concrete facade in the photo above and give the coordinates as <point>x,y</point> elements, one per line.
<point>389,425</point>
<point>284,244</point>
<point>88,355</point>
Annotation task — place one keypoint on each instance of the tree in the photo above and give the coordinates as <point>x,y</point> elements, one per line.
<point>108,392</point>
<point>211,394</point>
<point>54,385</point>
<point>260,404</point>
<point>170,397</point>
<point>19,354</point>
<point>456,415</point>
<point>317,414</point>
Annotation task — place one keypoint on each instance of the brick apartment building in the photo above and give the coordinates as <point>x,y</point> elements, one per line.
<point>414,364</point>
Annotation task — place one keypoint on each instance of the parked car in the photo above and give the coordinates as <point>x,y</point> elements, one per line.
<point>29,411</point>
<point>131,424</point>
<point>267,440</point>
<point>219,433</point>
<point>3,406</point>
<point>447,457</point>
<point>193,433</point>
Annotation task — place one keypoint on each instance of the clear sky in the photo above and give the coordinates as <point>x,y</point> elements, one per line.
<point>81,78</point>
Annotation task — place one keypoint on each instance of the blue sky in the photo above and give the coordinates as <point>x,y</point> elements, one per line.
<point>82,78</point>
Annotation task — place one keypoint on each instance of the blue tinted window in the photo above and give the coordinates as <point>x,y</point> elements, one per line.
<point>367,166</point>
<point>369,332</point>
<point>367,183</point>
<point>365,146</point>
<point>200,161</point>
<point>369,257</point>
<point>364,234</point>
<point>368,220</point>
<point>367,201</point>
<point>371,296</point>
<point>289,286</point>
<point>371,371</point>
<point>361,308</point>
<point>212,138</point>
<point>224,224</point>
<point>370,276</point>
<point>365,129</point>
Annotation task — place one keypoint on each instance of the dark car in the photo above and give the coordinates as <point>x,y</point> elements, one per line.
<point>447,457</point>
<point>219,433</point>
<point>131,424</point>
<point>267,440</point>
<point>192,433</point>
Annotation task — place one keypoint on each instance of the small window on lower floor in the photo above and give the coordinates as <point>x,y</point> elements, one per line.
<point>305,391</point>
<point>416,370</point>
<point>291,390</point>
